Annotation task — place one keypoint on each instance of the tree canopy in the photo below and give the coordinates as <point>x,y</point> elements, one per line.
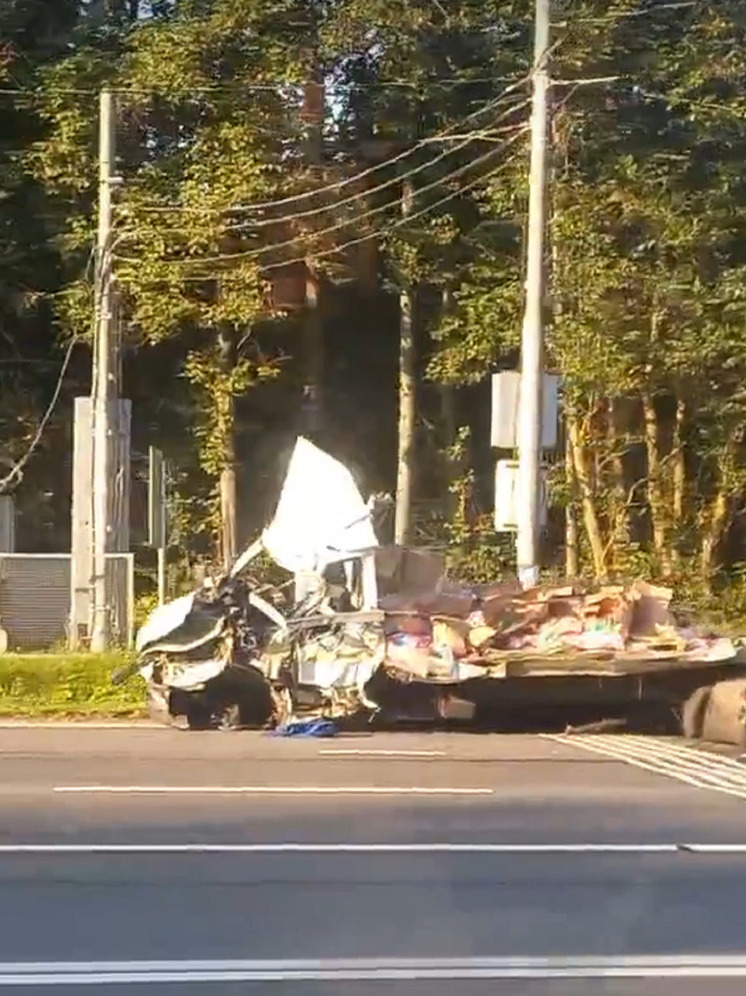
<point>262,147</point>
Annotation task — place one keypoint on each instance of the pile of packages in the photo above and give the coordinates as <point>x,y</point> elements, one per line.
<point>452,633</point>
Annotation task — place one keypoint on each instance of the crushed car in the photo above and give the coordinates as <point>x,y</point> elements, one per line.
<point>224,656</point>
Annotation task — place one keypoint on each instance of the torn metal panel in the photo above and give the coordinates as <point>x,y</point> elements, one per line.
<point>321,518</point>
<point>340,659</point>
<point>163,620</point>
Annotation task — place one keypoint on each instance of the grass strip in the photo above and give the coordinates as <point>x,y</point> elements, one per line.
<point>65,684</point>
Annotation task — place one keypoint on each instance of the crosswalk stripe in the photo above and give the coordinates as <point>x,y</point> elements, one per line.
<point>660,757</point>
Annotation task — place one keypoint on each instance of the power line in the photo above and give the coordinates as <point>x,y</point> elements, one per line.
<point>620,15</point>
<point>355,178</point>
<point>230,87</point>
<point>250,254</point>
<point>17,469</point>
<point>393,181</point>
<point>325,253</point>
<point>14,473</point>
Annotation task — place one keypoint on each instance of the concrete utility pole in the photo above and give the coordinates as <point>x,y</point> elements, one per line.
<point>403,515</point>
<point>105,370</point>
<point>529,408</point>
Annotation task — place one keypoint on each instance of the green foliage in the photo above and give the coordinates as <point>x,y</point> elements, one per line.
<point>67,685</point>
<point>647,315</point>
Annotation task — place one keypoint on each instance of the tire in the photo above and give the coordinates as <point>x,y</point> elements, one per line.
<point>725,717</point>
<point>693,712</point>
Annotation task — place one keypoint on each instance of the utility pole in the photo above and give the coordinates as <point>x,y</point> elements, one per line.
<point>105,371</point>
<point>529,408</point>
<point>403,515</point>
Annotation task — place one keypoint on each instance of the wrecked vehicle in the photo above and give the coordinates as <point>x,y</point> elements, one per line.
<point>373,630</point>
<point>225,656</point>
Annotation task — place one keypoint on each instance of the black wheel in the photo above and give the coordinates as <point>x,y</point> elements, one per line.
<point>199,716</point>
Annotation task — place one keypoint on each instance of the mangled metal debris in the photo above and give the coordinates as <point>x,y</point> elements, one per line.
<point>365,620</point>
<point>226,656</point>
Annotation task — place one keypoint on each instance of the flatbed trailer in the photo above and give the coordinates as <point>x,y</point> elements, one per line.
<point>689,697</point>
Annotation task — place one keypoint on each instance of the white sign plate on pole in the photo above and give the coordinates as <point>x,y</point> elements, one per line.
<point>506,497</point>
<point>504,420</point>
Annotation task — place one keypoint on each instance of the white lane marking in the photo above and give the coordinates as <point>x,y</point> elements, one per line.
<point>269,790</point>
<point>708,771</point>
<point>344,848</point>
<point>77,727</point>
<point>373,969</point>
<point>659,758</point>
<point>344,752</point>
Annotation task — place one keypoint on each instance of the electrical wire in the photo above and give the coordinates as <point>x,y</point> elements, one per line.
<point>17,469</point>
<point>251,254</point>
<point>464,142</point>
<point>15,472</point>
<point>620,15</point>
<point>356,177</point>
<point>338,185</point>
<point>483,135</point>
<point>400,223</point>
<point>231,86</point>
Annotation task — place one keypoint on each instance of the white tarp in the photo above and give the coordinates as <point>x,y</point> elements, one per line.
<point>321,517</point>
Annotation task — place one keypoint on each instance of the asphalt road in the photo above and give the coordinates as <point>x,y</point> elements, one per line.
<point>137,860</point>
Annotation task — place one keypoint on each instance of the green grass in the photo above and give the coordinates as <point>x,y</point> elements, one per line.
<point>64,684</point>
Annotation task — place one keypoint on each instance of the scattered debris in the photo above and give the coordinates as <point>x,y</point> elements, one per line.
<point>457,634</point>
<point>314,727</point>
<point>602,726</point>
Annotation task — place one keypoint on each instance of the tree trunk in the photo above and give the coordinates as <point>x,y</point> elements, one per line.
<point>407,411</point>
<point>590,514</point>
<point>572,564</point>
<point>313,112</point>
<point>618,508</point>
<point>655,489</point>
<point>716,520</point>
<point>228,546</point>
<point>716,524</point>
<point>227,359</point>
<point>446,391</point>
<point>406,422</point>
<point>678,480</point>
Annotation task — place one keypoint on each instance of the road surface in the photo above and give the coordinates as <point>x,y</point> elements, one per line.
<point>139,860</point>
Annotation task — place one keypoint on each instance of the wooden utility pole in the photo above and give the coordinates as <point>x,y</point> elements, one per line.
<point>532,338</point>
<point>105,373</point>
<point>407,408</point>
